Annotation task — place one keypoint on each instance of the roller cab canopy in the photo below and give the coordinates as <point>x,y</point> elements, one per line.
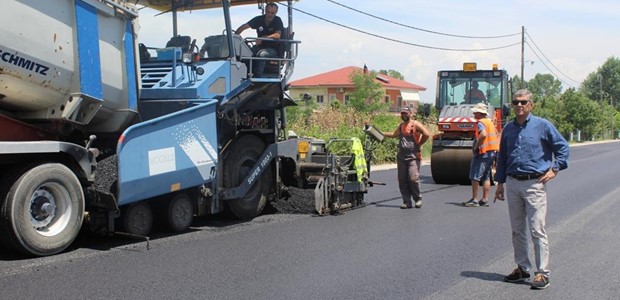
<point>188,5</point>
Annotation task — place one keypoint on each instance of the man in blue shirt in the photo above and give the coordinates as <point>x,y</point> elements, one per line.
<point>267,26</point>
<point>531,153</point>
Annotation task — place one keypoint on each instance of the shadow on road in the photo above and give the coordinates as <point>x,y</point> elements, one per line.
<point>483,275</point>
<point>457,204</point>
<point>106,242</point>
<point>488,276</point>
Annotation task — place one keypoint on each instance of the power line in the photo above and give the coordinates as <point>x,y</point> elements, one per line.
<point>400,41</point>
<point>421,29</point>
<point>543,54</point>
<point>543,62</point>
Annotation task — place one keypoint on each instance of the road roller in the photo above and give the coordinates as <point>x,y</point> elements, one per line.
<point>458,91</point>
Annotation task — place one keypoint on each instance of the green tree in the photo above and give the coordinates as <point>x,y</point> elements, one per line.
<point>517,83</point>
<point>393,74</point>
<point>551,108</point>
<point>604,84</point>
<point>367,94</point>
<point>582,113</point>
<point>544,86</point>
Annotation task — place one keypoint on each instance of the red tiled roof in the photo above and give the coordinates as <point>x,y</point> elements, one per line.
<point>340,78</point>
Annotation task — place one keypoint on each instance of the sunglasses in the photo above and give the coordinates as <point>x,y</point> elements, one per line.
<point>522,102</point>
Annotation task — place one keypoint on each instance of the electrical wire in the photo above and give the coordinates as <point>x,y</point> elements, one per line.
<point>424,30</point>
<point>445,34</point>
<point>543,62</point>
<point>400,41</point>
<point>543,54</point>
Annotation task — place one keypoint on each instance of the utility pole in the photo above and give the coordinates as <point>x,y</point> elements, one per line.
<point>600,97</point>
<point>522,55</point>
<point>613,110</point>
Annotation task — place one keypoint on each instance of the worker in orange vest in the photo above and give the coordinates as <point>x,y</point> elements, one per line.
<point>486,146</point>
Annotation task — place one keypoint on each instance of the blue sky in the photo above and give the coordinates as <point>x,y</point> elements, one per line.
<point>574,37</point>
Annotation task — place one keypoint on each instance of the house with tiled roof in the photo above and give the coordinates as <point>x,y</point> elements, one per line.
<point>336,85</point>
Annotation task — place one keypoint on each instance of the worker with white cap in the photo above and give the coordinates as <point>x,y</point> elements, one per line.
<point>485,149</point>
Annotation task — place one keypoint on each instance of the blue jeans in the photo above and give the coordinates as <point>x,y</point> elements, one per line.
<point>480,168</point>
<point>258,66</point>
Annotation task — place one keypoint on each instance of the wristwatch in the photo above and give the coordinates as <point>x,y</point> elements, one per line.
<point>555,170</point>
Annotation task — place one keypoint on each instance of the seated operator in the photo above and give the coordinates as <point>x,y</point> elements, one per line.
<point>474,95</point>
<point>267,26</point>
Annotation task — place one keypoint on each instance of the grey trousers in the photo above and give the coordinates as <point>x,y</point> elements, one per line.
<point>527,207</point>
<point>409,180</point>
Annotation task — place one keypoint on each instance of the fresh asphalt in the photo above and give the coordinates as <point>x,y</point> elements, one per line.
<point>441,251</point>
<point>583,246</point>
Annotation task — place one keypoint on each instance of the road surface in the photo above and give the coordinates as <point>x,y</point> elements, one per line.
<point>441,251</point>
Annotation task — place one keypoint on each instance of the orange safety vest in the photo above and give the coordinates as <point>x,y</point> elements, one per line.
<point>491,142</point>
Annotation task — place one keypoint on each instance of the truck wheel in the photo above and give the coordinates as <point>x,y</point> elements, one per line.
<point>137,218</point>
<point>180,213</point>
<point>43,209</point>
<point>244,154</point>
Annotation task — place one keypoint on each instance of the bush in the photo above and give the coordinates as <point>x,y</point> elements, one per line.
<point>326,122</point>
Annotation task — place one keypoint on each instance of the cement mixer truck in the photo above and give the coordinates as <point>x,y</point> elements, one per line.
<point>188,127</point>
<point>457,93</point>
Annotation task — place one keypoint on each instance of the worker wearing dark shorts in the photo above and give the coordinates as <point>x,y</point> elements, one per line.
<point>486,145</point>
<point>412,135</point>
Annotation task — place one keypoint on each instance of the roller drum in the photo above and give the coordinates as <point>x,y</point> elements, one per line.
<point>451,165</point>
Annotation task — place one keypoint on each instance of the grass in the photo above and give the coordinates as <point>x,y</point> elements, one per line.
<point>327,122</point>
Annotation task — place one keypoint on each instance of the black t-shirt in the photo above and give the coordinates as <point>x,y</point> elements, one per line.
<point>263,29</point>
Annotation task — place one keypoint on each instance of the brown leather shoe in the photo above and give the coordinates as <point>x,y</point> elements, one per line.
<point>518,275</point>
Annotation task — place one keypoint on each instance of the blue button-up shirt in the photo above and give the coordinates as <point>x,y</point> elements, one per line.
<point>531,148</point>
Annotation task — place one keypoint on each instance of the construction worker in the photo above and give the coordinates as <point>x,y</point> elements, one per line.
<point>267,26</point>
<point>486,146</point>
<point>474,95</point>
<point>412,136</point>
